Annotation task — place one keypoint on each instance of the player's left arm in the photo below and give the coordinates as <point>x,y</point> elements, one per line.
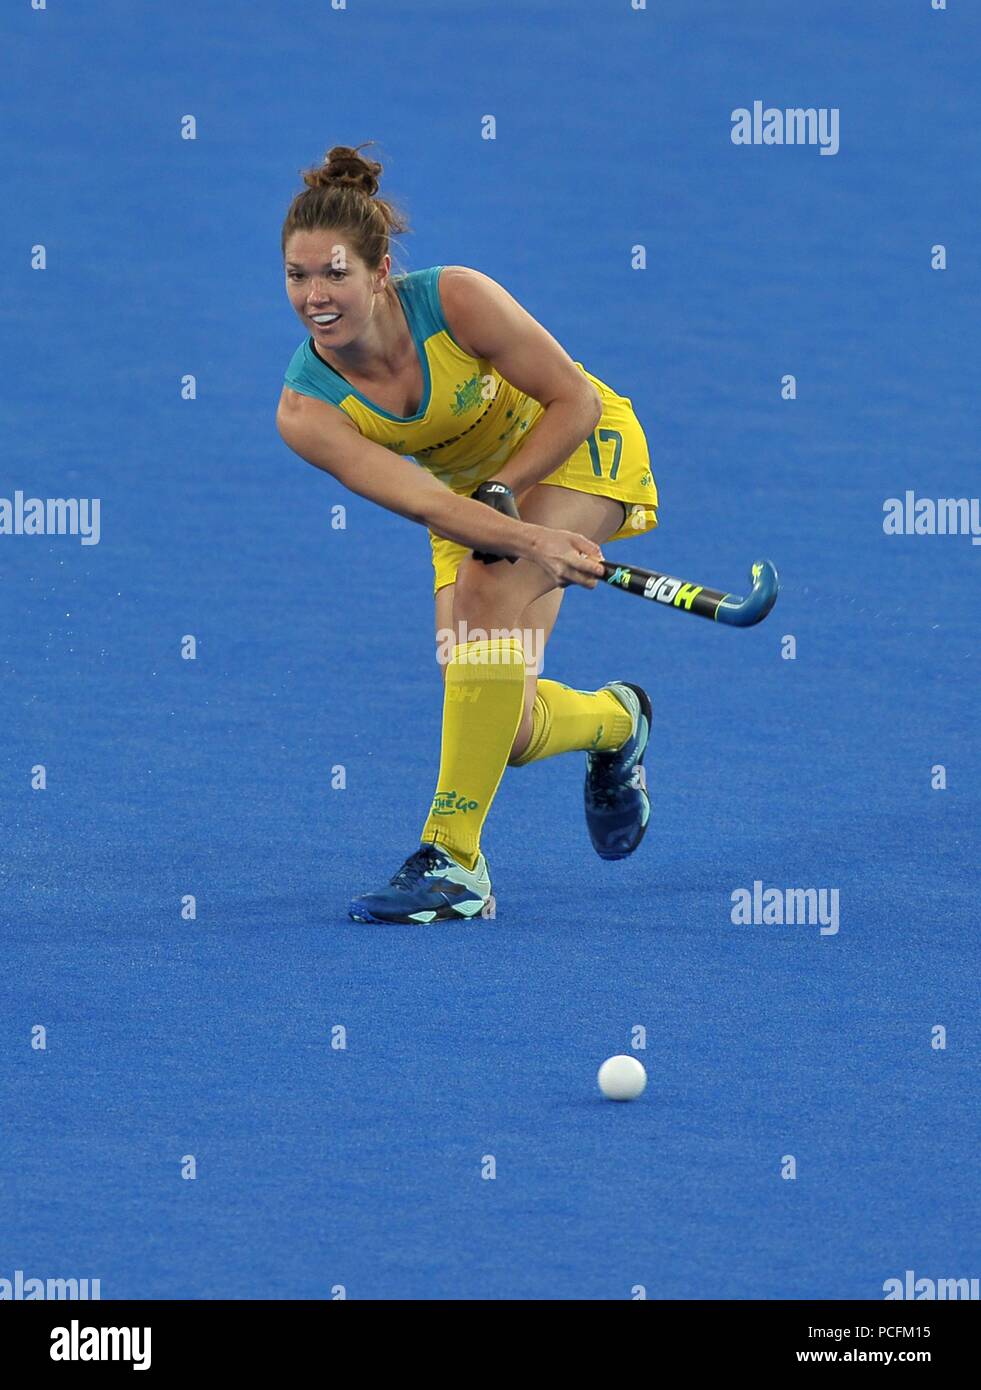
<point>488,322</point>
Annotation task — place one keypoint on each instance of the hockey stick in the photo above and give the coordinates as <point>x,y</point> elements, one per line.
<point>693,598</point>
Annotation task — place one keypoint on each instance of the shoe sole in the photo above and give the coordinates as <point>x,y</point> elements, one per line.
<point>441,914</point>
<point>647,711</point>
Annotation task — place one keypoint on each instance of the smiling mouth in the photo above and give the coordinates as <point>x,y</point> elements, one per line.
<point>323,320</point>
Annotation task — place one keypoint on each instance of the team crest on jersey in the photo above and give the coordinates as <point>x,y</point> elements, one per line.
<point>467,396</point>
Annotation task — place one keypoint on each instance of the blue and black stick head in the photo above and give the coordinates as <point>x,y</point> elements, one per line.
<point>745,612</point>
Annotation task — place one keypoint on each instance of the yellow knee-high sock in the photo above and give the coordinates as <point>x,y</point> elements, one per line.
<point>483,701</point>
<point>564,719</point>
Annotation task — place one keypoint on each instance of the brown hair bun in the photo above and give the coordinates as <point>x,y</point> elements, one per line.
<point>341,195</point>
<point>344,166</point>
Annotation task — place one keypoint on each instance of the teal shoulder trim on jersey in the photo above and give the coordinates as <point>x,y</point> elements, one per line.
<point>310,376</point>
<point>420,293</point>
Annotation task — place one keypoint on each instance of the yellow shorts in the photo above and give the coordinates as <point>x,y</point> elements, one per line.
<point>613,462</point>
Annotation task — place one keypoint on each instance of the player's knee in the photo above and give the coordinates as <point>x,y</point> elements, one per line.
<point>475,580</point>
<point>487,595</point>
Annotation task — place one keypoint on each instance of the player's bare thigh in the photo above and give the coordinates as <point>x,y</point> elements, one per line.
<point>496,596</point>
<point>558,507</point>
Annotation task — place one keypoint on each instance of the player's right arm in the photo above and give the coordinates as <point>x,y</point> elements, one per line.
<point>326,438</point>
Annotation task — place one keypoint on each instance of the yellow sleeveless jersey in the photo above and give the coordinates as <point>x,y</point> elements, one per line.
<point>471,420</point>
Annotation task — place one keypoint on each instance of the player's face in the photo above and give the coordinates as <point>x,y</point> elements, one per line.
<point>328,281</point>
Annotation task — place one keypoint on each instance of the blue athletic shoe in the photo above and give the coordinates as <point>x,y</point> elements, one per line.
<point>617,805</point>
<point>430,887</point>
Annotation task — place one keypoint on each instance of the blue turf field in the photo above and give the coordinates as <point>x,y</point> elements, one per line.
<point>362,1168</point>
